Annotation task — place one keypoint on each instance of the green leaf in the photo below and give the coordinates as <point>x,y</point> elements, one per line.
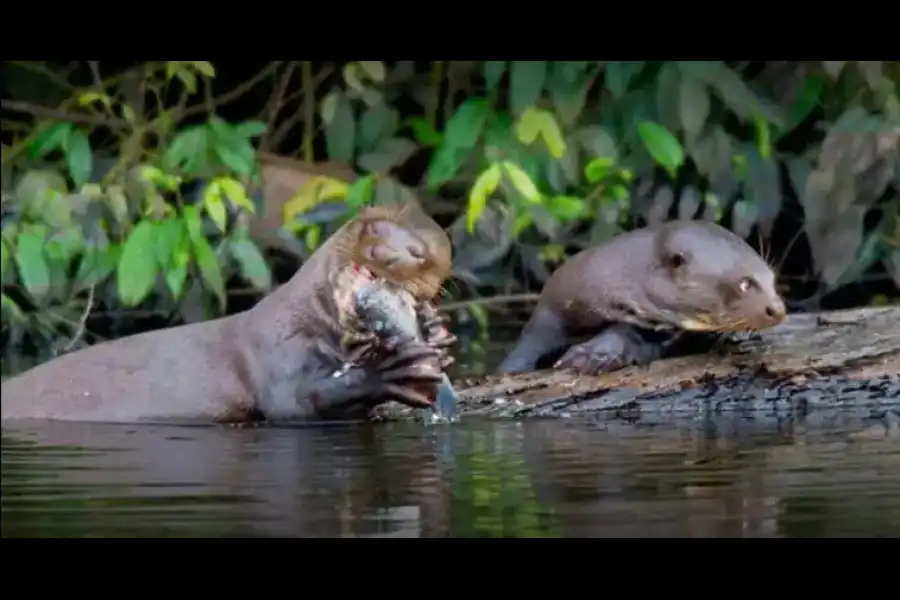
<point>215,206</point>
<point>424,132</point>
<point>188,149</point>
<point>537,121</point>
<point>340,130</point>
<point>565,208</point>
<point>204,67</point>
<point>668,92</point>
<point>78,156</point>
<point>569,84</point>
<point>619,74</point>
<point>176,273</point>
<point>253,266</point>
<point>484,186</point>
<point>388,154</point>
<point>33,269</point>
<point>373,68</point>
<point>189,79</point>
<point>598,142</point>
<point>154,175</point>
<point>493,73</point>
<point>64,244</point>
<point>444,165</point>
<point>6,252</point>
<point>137,269</point>
<point>360,193</point>
<point>49,139</point>
<point>11,311</point>
<point>499,136</point>
<point>522,182</point>
<point>598,169</point>
<point>526,81</point>
<point>662,145</point>
<point>693,106</point>
<point>96,265</point>
<point>732,89</point>
<point>235,151</point>
<point>89,97</point>
<point>250,129</point>
<point>168,235</point>
<point>210,268</point>
<point>467,124</point>
<point>378,123</point>
<point>236,193</point>
<point>193,222</point>
<point>807,100</point>
<point>763,136</point>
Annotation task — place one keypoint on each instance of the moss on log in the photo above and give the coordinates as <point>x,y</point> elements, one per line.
<point>834,359</point>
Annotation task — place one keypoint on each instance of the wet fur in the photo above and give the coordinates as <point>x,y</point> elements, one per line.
<point>273,362</point>
<point>666,279</point>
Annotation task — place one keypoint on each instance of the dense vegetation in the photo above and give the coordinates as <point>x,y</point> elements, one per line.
<point>142,195</point>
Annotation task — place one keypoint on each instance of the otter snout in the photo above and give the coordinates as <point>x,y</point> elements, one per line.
<point>775,312</point>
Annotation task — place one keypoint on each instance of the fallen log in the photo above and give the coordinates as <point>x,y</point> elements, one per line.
<point>841,359</point>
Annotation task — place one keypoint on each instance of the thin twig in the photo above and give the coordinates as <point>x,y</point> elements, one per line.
<point>82,323</point>
<point>283,129</point>
<point>276,103</point>
<point>42,112</point>
<point>232,95</point>
<point>42,69</point>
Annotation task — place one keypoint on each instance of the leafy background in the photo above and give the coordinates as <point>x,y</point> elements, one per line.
<point>142,195</point>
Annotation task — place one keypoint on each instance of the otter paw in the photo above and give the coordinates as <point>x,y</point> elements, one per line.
<point>586,361</point>
<point>435,332</point>
<point>609,351</point>
<point>358,345</point>
<point>411,375</point>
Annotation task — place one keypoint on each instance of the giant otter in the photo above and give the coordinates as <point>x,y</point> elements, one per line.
<point>280,360</point>
<point>634,291</point>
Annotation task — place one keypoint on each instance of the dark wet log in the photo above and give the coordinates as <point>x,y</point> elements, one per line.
<point>846,359</point>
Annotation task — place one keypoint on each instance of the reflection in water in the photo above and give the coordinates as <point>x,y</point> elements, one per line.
<point>537,478</point>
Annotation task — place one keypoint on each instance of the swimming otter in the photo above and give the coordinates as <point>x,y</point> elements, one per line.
<point>276,361</point>
<point>634,291</point>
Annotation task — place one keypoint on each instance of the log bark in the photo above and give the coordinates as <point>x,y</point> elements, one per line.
<point>845,358</point>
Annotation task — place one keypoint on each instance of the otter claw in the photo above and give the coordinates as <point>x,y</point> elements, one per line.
<point>436,333</point>
<point>408,354</point>
<point>585,362</point>
<point>408,396</point>
<point>420,372</point>
<point>609,351</point>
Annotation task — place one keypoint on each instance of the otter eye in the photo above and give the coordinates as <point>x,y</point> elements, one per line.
<point>746,284</point>
<point>416,252</point>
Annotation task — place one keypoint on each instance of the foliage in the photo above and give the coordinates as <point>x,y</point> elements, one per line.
<point>540,157</point>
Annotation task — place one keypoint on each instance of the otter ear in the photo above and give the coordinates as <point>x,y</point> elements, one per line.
<point>675,260</point>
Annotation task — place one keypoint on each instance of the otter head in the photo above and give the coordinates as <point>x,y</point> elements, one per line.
<point>404,246</point>
<point>707,279</point>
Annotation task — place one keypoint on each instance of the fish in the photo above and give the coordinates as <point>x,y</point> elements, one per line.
<point>389,311</point>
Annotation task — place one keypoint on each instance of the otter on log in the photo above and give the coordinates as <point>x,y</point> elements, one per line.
<point>284,359</point>
<point>636,290</point>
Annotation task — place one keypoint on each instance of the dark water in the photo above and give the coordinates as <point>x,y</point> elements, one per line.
<point>558,478</point>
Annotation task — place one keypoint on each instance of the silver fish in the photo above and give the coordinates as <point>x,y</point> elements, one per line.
<point>390,311</point>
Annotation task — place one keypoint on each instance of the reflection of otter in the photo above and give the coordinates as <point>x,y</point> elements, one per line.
<point>221,482</point>
<point>275,361</point>
<point>632,292</point>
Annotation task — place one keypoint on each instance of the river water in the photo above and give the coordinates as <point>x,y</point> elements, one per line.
<point>557,478</point>
<point>832,475</point>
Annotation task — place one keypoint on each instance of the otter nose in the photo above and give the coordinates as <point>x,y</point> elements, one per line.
<point>776,311</point>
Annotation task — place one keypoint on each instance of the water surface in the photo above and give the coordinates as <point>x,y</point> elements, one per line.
<point>538,478</point>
